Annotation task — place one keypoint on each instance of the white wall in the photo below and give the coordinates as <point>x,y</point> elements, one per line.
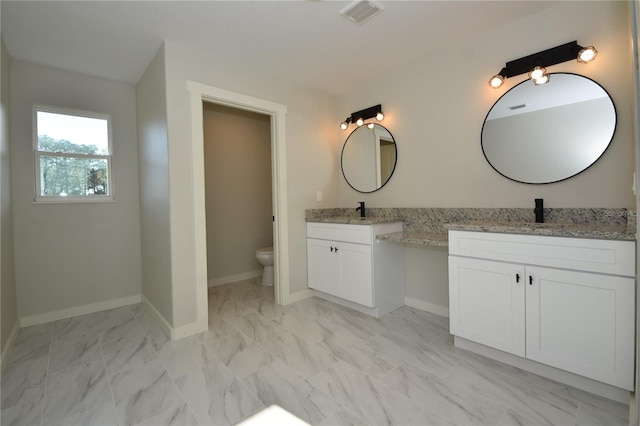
<point>9,307</point>
<point>71,258</point>
<point>151,104</point>
<point>310,149</point>
<point>436,108</point>
<point>237,155</point>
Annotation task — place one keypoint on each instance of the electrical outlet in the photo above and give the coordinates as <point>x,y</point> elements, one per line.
<point>318,195</point>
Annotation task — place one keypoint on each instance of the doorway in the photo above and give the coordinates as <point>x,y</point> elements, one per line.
<point>200,93</point>
<point>238,192</point>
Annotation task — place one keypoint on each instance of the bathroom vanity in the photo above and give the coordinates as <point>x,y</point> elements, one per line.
<point>348,265</point>
<point>562,302</point>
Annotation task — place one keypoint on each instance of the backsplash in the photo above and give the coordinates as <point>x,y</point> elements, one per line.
<point>433,219</point>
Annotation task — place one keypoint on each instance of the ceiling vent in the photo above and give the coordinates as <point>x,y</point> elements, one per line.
<point>361,11</point>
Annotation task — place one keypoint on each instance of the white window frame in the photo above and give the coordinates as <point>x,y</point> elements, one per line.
<point>38,198</point>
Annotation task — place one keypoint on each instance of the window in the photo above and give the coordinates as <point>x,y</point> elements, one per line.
<point>72,155</point>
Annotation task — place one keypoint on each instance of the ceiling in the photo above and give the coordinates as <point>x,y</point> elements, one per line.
<point>307,43</point>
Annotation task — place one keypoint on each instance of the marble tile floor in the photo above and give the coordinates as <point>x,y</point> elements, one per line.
<point>326,364</point>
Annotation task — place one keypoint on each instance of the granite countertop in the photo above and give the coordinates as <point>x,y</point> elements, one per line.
<point>430,226</point>
<point>604,231</point>
<point>424,238</point>
<point>576,230</point>
<point>353,220</point>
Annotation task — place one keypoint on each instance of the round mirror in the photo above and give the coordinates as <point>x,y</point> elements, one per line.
<point>548,133</point>
<point>369,158</point>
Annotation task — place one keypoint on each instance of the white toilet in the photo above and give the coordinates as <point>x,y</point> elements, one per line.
<point>265,257</point>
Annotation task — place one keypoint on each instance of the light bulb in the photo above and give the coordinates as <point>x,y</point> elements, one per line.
<point>344,125</point>
<point>359,122</point>
<point>370,125</point>
<point>380,116</point>
<point>542,80</point>
<point>537,73</point>
<point>587,54</point>
<point>496,81</point>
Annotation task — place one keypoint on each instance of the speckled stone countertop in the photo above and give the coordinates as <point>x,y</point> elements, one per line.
<point>429,226</point>
<point>575,230</point>
<point>355,220</point>
<point>424,238</point>
<point>604,231</point>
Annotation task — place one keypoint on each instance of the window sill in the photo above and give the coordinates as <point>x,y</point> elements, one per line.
<point>70,200</point>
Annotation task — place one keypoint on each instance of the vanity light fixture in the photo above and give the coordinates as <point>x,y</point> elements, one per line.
<point>587,54</point>
<point>359,117</point>
<point>535,64</point>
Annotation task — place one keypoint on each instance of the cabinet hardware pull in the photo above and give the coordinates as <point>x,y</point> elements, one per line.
<point>336,249</point>
<point>517,278</point>
<point>530,279</point>
<point>331,249</point>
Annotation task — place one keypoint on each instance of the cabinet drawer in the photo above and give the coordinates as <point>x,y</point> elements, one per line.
<point>359,234</point>
<point>604,256</point>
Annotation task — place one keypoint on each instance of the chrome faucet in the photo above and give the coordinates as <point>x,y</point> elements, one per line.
<point>361,208</point>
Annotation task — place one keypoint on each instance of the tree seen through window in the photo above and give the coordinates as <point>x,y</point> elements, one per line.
<point>71,175</point>
<point>73,154</point>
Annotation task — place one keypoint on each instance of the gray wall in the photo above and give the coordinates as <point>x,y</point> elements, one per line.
<point>237,155</point>
<point>9,308</point>
<point>71,258</point>
<point>155,229</point>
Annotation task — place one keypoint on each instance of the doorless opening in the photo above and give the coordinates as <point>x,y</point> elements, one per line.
<point>238,195</point>
<point>203,93</point>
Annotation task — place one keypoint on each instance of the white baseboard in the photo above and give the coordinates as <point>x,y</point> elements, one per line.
<point>188,330</point>
<point>234,278</point>
<point>174,333</point>
<point>9,345</point>
<point>374,312</point>
<point>426,306</point>
<point>297,296</point>
<point>78,310</point>
<point>162,322</point>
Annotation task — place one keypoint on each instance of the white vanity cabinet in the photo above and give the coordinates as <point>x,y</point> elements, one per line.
<point>563,302</point>
<point>347,262</point>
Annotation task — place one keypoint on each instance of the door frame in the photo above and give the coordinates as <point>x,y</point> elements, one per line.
<point>204,93</point>
<point>634,405</point>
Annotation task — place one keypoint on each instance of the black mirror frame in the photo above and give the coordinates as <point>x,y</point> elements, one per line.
<point>615,126</point>
<point>390,174</point>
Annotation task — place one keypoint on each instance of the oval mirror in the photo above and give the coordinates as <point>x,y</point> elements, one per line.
<point>548,133</point>
<point>369,158</point>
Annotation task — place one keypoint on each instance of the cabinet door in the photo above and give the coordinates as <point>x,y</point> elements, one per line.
<point>582,322</point>
<point>322,261</point>
<point>356,282</point>
<point>486,303</point>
